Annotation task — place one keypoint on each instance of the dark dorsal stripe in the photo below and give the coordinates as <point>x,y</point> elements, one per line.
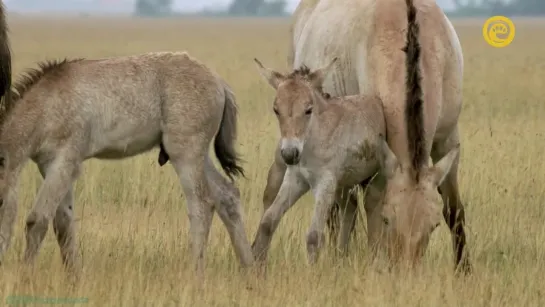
<point>414,116</point>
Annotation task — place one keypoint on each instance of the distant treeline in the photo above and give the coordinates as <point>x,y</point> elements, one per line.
<point>471,8</point>
<point>464,8</point>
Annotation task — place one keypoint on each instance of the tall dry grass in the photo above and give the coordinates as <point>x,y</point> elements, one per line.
<point>133,224</point>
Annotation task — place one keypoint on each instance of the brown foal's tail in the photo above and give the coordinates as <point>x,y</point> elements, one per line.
<point>224,144</point>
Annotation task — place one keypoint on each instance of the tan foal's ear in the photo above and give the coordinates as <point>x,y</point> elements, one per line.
<point>274,78</point>
<point>318,76</point>
<point>387,159</point>
<point>440,170</point>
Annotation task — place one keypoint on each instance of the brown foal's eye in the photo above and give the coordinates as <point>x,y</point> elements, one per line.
<point>308,111</point>
<point>385,221</point>
<point>275,110</point>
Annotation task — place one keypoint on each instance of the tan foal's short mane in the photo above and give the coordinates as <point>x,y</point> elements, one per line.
<point>304,72</point>
<point>30,78</point>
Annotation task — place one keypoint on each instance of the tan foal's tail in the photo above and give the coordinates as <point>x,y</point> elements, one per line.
<point>224,144</point>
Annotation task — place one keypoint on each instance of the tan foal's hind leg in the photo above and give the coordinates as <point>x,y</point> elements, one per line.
<point>228,208</point>
<point>59,178</point>
<point>200,205</point>
<point>453,210</point>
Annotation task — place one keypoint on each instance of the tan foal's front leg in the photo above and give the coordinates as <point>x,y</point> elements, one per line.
<point>59,178</point>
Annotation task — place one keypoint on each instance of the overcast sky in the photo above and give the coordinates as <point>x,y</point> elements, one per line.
<point>195,5</point>
<point>179,5</point>
<point>186,5</point>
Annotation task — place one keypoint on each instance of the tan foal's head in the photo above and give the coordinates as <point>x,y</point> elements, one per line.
<point>408,208</point>
<point>298,95</point>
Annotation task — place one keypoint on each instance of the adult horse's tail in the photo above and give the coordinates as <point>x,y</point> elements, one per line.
<point>224,144</point>
<point>5,55</point>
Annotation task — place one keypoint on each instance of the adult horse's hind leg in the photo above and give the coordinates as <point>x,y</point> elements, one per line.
<point>453,210</point>
<point>59,177</point>
<point>64,226</point>
<point>228,208</point>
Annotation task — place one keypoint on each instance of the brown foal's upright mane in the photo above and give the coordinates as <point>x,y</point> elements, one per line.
<point>304,72</point>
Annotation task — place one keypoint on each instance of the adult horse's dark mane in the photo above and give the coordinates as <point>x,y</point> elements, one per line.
<point>414,113</point>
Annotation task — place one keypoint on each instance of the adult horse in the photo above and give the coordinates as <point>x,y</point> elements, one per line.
<point>409,55</point>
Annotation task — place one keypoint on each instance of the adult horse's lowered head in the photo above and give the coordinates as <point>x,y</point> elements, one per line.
<point>69,111</point>
<point>368,37</point>
<point>421,113</point>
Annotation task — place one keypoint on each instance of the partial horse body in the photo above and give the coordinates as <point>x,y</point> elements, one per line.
<point>69,111</point>
<point>408,54</point>
<point>5,55</point>
<point>329,145</point>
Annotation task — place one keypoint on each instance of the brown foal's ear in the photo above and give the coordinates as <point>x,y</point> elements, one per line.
<point>318,76</point>
<point>274,78</point>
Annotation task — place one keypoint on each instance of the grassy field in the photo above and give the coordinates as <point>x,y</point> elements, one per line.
<point>132,221</point>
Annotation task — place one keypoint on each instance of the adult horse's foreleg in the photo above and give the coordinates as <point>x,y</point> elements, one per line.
<point>292,188</point>
<point>324,194</point>
<point>228,208</point>
<point>453,210</point>
<point>59,177</point>
<point>64,226</point>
